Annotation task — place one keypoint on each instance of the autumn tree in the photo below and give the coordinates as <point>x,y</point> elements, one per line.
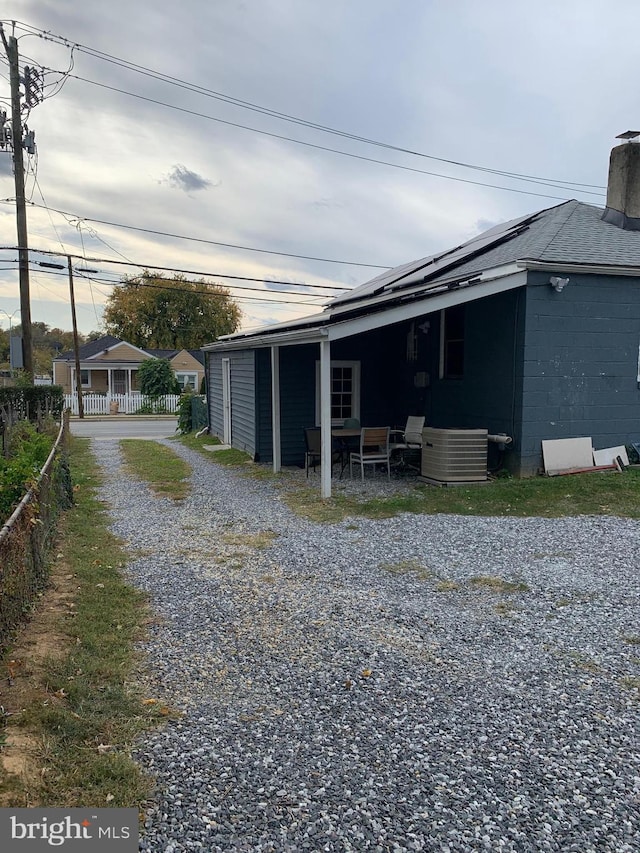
<point>154,312</point>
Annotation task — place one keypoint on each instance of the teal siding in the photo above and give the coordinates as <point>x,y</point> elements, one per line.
<point>489,396</point>
<point>213,368</point>
<point>297,401</point>
<point>264,432</point>
<point>537,364</point>
<point>243,414</point>
<point>580,368</point>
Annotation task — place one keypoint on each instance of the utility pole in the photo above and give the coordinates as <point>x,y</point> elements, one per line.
<point>11,48</point>
<point>74,325</point>
<point>76,348</point>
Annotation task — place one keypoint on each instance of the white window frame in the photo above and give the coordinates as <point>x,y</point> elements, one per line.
<point>355,391</point>
<point>192,374</point>
<point>86,384</point>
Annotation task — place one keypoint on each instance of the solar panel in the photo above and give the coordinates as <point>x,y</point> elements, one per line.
<point>416,271</point>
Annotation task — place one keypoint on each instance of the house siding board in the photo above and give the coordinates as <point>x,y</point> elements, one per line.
<point>489,394</point>
<point>214,392</point>
<point>297,399</point>
<point>580,363</point>
<point>243,414</point>
<point>264,430</point>
<point>123,352</point>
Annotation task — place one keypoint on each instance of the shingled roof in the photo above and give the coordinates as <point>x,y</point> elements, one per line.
<point>571,233</point>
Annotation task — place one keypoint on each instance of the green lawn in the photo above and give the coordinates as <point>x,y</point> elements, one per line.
<point>575,494</point>
<point>76,664</point>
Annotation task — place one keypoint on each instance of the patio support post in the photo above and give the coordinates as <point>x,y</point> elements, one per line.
<point>275,407</point>
<point>110,381</point>
<point>325,417</point>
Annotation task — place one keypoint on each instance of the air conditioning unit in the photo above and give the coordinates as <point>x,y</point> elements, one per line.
<point>454,455</point>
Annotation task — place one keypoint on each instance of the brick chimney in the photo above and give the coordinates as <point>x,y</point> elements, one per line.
<point>623,188</point>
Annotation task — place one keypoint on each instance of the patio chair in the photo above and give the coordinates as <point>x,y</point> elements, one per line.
<point>313,451</point>
<point>374,450</point>
<point>409,440</point>
<point>312,454</point>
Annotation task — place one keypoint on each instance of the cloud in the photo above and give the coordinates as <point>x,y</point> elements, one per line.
<point>184,179</point>
<point>486,224</point>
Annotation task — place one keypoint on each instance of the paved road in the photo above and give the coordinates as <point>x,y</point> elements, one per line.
<point>123,427</point>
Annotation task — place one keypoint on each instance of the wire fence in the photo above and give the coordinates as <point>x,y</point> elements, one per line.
<point>27,536</point>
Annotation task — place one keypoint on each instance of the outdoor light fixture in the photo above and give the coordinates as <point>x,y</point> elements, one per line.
<point>557,283</point>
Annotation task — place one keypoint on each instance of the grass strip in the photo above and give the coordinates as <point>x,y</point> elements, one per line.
<point>82,713</point>
<point>543,497</point>
<point>166,473</point>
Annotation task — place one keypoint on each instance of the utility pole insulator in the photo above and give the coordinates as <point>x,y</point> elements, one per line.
<point>31,80</point>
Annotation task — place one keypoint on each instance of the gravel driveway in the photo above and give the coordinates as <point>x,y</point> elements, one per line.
<point>376,685</point>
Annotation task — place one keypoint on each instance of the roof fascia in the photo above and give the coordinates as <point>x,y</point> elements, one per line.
<point>121,344</point>
<point>596,269</point>
<point>444,298</point>
<point>303,336</point>
<point>495,280</point>
<point>88,364</point>
<point>427,287</point>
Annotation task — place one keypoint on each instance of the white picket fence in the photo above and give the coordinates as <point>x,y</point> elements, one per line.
<point>123,404</point>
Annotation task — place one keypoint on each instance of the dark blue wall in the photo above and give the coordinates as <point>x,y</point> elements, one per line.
<point>537,365</point>
<point>489,395</point>
<point>297,401</point>
<point>580,369</point>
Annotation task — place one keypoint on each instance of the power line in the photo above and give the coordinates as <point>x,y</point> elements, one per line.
<point>175,269</point>
<point>229,99</point>
<point>326,147</point>
<point>207,242</point>
<point>202,291</point>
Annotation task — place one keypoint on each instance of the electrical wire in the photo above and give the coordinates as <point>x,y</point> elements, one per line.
<point>326,147</point>
<point>184,271</point>
<point>229,99</point>
<point>199,291</point>
<point>73,216</point>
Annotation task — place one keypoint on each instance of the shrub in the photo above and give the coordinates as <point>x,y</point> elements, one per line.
<point>156,378</point>
<point>184,413</point>
<point>28,453</point>
<point>31,403</point>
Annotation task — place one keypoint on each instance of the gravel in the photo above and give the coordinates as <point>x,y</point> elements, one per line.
<point>375,684</point>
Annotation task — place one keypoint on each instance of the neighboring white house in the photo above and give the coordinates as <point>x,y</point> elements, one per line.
<point>110,366</point>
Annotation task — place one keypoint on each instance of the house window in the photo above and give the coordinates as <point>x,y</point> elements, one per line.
<point>345,391</point>
<point>85,378</point>
<point>187,381</point>
<point>452,342</point>
<point>412,343</point>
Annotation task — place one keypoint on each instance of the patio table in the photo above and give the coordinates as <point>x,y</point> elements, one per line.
<point>344,445</point>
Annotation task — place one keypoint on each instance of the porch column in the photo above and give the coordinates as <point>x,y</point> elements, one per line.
<point>129,371</point>
<point>110,382</point>
<point>325,417</point>
<point>275,407</point>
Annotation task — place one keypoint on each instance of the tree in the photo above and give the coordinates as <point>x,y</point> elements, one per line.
<point>156,377</point>
<point>154,312</point>
<point>47,344</point>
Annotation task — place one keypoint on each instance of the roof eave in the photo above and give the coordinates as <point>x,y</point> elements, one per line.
<point>568,266</point>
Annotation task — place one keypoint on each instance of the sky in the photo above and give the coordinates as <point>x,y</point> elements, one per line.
<point>533,89</point>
